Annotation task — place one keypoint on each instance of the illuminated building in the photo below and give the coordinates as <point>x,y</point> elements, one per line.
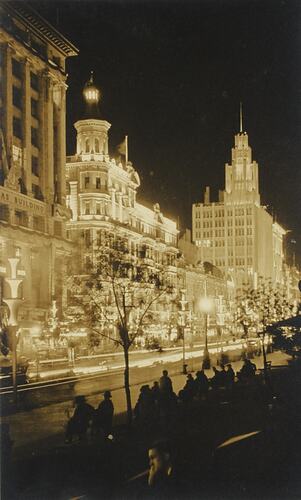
<point>33,212</point>
<point>200,278</point>
<point>237,233</point>
<point>103,196</point>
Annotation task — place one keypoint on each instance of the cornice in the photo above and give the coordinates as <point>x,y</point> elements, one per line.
<point>39,26</point>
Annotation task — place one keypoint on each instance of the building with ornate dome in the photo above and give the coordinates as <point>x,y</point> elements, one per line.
<point>33,210</point>
<point>104,196</point>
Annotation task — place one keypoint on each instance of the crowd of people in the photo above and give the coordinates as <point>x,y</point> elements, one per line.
<point>156,402</point>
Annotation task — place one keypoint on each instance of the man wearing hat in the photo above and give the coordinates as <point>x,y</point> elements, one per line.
<point>104,414</point>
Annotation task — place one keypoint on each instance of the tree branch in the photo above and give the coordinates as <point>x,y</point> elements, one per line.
<point>117,304</point>
<point>105,335</point>
<point>144,313</point>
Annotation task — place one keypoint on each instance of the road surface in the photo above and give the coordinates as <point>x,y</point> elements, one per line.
<point>43,427</point>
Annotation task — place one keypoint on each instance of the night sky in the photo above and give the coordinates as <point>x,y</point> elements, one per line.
<point>172,75</point>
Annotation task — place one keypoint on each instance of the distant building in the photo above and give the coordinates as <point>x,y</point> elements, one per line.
<point>200,278</point>
<point>237,234</point>
<point>291,281</point>
<point>33,212</point>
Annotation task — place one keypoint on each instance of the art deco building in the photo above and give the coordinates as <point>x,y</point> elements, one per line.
<point>33,212</point>
<point>237,233</point>
<point>103,196</point>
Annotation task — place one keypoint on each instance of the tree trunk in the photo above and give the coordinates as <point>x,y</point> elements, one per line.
<point>127,386</point>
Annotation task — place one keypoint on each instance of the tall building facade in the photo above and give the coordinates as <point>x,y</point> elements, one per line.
<point>237,233</point>
<point>103,198</point>
<point>33,210</point>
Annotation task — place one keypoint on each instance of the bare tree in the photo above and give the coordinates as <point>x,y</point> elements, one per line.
<point>119,288</point>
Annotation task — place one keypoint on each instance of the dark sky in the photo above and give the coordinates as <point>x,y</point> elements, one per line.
<point>172,75</point>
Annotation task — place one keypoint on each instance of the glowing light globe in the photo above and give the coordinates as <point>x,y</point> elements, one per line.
<point>206,305</point>
<point>91,92</point>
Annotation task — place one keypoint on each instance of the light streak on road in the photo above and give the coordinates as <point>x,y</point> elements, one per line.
<point>78,373</point>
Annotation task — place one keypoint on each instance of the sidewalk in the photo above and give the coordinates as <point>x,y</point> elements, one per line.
<point>42,429</point>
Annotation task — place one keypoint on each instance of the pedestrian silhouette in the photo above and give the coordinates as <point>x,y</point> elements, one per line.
<point>165,384</point>
<point>145,406</point>
<point>79,422</point>
<point>201,383</point>
<point>103,418</point>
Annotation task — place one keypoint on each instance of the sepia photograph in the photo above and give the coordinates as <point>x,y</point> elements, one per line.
<point>150,249</point>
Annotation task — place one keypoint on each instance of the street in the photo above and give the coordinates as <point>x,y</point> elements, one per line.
<point>32,430</point>
<point>254,467</point>
<point>94,374</point>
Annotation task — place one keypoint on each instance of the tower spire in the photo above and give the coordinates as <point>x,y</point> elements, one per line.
<point>240,118</point>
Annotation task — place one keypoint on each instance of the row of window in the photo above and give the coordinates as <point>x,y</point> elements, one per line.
<point>139,250</point>
<point>220,233</point>
<point>37,193</point>
<point>221,223</point>
<point>21,218</point>
<point>18,132</point>
<point>89,146</point>
<point>35,165</point>
<point>240,261</point>
<point>101,208</point>
<point>17,101</point>
<point>16,68</point>
<point>99,183</point>
<point>220,212</point>
<point>17,72</point>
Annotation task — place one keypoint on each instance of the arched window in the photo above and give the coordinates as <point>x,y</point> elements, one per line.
<point>87,146</point>
<point>97,146</point>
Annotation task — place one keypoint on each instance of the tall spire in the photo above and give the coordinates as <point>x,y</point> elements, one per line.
<point>240,118</point>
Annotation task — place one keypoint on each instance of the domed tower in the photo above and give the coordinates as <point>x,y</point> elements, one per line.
<point>92,131</point>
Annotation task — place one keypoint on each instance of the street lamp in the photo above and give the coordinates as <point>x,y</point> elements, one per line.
<point>206,306</point>
<point>13,302</point>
